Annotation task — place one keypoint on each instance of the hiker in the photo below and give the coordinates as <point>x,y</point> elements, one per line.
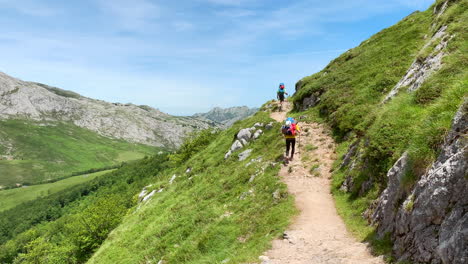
<point>281,93</point>
<point>290,130</point>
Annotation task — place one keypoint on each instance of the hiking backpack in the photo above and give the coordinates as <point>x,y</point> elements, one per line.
<point>289,130</point>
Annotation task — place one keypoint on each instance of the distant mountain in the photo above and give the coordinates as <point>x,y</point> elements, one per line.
<point>225,117</point>
<point>133,123</point>
<point>47,133</point>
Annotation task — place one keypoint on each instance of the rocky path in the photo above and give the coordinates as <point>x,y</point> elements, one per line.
<point>318,234</point>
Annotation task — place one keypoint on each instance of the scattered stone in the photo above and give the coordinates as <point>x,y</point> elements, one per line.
<point>244,155</point>
<point>225,261</point>
<point>236,145</point>
<point>258,125</point>
<point>244,195</point>
<point>259,159</point>
<point>172,179</point>
<point>257,134</point>
<point>188,170</point>
<point>264,259</point>
<point>228,154</point>
<point>147,197</point>
<point>269,126</point>
<point>277,195</point>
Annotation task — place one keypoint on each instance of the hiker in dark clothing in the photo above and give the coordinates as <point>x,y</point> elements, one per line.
<point>290,130</point>
<point>281,93</point>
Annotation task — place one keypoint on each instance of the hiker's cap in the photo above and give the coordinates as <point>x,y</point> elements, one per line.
<point>288,123</point>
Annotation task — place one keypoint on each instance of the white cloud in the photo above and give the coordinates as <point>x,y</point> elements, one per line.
<point>31,8</point>
<point>134,15</point>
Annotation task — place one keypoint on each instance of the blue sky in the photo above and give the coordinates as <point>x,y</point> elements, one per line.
<point>184,56</point>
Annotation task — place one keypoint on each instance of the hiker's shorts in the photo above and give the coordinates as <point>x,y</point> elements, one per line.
<point>281,97</point>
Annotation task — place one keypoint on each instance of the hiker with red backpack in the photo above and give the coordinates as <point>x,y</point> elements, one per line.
<point>281,92</point>
<point>290,130</point>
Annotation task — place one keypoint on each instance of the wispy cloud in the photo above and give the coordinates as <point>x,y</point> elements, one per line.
<point>30,8</point>
<point>215,52</point>
<point>131,14</point>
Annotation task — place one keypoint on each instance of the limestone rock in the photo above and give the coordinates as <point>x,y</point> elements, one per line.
<point>431,224</point>
<point>244,134</point>
<point>228,154</point>
<point>310,101</point>
<point>172,179</point>
<point>140,124</point>
<point>421,70</point>
<point>236,145</point>
<point>244,155</point>
<point>257,134</point>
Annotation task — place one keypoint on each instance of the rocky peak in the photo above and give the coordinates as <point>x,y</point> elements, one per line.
<point>141,124</point>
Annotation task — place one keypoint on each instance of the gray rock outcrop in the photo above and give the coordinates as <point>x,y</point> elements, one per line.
<point>430,224</point>
<point>420,70</point>
<point>242,139</point>
<point>310,101</point>
<point>244,134</point>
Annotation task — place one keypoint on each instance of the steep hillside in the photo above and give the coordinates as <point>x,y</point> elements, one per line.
<point>225,117</point>
<point>391,103</point>
<point>202,205</point>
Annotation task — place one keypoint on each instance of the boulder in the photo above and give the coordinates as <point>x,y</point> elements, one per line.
<point>228,154</point>
<point>244,134</point>
<point>269,126</point>
<point>236,146</point>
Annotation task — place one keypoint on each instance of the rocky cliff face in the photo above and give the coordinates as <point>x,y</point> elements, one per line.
<point>430,223</point>
<point>225,117</point>
<point>141,124</point>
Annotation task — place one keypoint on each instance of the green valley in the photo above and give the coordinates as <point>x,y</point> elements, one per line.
<point>41,152</point>
<point>14,197</point>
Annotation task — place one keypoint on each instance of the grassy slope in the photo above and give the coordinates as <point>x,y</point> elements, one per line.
<point>45,153</point>
<point>200,218</point>
<point>14,197</point>
<point>352,86</point>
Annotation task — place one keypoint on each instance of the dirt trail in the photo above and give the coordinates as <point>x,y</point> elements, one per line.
<point>318,234</point>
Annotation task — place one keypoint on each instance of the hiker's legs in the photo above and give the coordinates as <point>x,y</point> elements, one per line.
<point>290,145</point>
<point>281,98</point>
<point>293,147</point>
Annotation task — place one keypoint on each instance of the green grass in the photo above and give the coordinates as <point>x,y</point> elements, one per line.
<point>14,197</point>
<point>213,213</point>
<point>53,151</point>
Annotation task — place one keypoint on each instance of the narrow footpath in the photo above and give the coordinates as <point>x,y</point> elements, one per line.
<point>318,234</point>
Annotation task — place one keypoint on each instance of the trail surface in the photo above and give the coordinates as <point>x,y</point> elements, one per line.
<point>318,234</point>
